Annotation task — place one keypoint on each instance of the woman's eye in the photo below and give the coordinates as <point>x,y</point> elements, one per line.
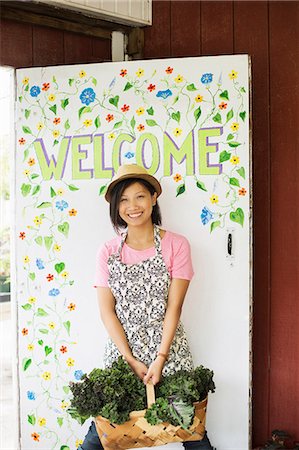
<point>140,196</point>
<point>123,200</point>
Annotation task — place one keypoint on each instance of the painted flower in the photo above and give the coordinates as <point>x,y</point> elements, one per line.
<point>87,96</point>
<point>35,91</point>
<point>61,205</point>
<point>63,349</point>
<point>214,198</point>
<point>52,325</point>
<point>22,235</point>
<point>46,86</point>
<point>64,274</point>
<point>125,108</point>
<point>57,120</point>
<point>51,98</point>
<point>25,80</point>
<point>235,126</point>
<point>31,161</point>
<point>235,160</point>
<point>87,122</point>
<point>82,74</point>
<point>56,133</point>
<point>40,126</point>
<point>26,260</point>
<point>78,374</point>
<point>207,78</point>
<point>140,111</point>
<point>111,136</point>
<point>32,300</point>
<point>40,264</point>
<point>64,404</point>
<point>169,70</point>
<point>151,87</point>
<point>25,332</point>
<point>26,172</point>
<point>31,395</point>
<point>42,421</point>
<point>37,220</point>
<point>123,72</point>
<point>233,74</point>
<point>242,191</point>
<point>72,307</point>
<point>140,127</point>
<point>60,191</point>
<point>22,141</point>
<point>177,131</point>
<point>78,442</point>
<point>56,248</point>
<point>129,155</point>
<point>179,79</point>
<point>30,347</point>
<point>109,117</point>
<point>70,362</point>
<point>177,177</point>
<point>35,436</point>
<point>222,105</point>
<point>199,98</point>
<point>164,94</point>
<point>54,292</point>
<point>47,376</point>
<point>50,277</point>
<point>73,212</point>
<point>206,215</point>
<point>140,73</point>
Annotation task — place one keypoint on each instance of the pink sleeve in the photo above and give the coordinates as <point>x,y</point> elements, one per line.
<point>102,273</point>
<point>181,260</point>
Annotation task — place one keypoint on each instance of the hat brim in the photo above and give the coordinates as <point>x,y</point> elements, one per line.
<point>149,178</point>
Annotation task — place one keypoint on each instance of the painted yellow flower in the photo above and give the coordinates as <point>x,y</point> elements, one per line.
<point>25,80</point>
<point>177,131</point>
<point>31,161</point>
<point>140,111</point>
<point>233,75</point>
<point>64,404</point>
<point>42,421</point>
<point>214,198</point>
<point>65,274</point>
<point>111,136</point>
<point>87,122</point>
<point>52,325</point>
<point>82,74</point>
<point>179,79</point>
<point>140,73</point>
<point>56,248</point>
<point>199,98</point>
<point>26,259</point>
<point>235,160</point>
<point>56,133</point>
<point>31,300</point>
<point>51,98</point>
<point>60,191</point>
<point>37,220</point>
<point>46,376</point>
<point>30,347</point>
<point>235,126</point>
<point>26,172</point>
<point>78,442</point>
<point>70,362</point>
<point>40,126</point>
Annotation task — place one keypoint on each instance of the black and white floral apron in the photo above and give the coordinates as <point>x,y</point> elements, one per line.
<point>141,292</point>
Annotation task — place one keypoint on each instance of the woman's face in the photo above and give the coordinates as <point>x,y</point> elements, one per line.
<point>136,204</point>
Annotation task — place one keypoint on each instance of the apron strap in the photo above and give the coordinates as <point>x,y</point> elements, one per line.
<point>157,243</point>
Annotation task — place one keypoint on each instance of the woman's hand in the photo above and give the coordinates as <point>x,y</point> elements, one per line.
<point>154,372</point>
<point>138,367</point>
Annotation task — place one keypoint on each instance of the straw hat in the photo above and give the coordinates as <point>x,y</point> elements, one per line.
<point>132,171</point>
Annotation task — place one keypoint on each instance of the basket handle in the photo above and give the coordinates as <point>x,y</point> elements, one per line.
<point>150,394</point>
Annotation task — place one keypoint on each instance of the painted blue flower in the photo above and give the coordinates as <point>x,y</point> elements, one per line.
<point>129,155</point>
<point>206,215</point>
<point>54,292</point>
<point>61,205</point>
<point>35,91</point>
<point>87,96</point>
<point>30,395</point>
<point>207,78</point>
<point>164,94</point>
<point>40,263</point>
<point>78,374</point>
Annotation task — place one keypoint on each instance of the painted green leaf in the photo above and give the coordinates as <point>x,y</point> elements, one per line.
<point>175,100</point>
<point>27,88</point>
<point>36,189</point>
<point>227,194</point>
<point>237,216</point>
<point>94,81</point>
<point>117,125</point>
<point>52,192</point>
<point>72,187</point>
<point>64,447</point>
<point>45,205</point>
<point>64,228</point>
<point>60,421</point>
<point>151,123</point>
<point>133,122</point>
<point>197,113</point>
<point>71,80</point>
<point>150,111</point>
<point>102,189</point>
<point>201,185</point>
<point>230,137</point>
<point>234,181</point>
<point>31,419</point>
<point>180,189</point>
<point>64,103</point>
<point>217,118</point>
<point>230,115</point>
<point>27,306</point>
<point>39,240</point>
<point>67,124</point>
<point>71,282</point>
<point>45,361</point>
<point>55,142</point>
<point>27,113</point>
<point>114,100</point>
<point>48,242</point>
<point>234,144</point>
<point>67,326</point>
<point>53,109</point>
<point>26,153</point>
<point>48,350</point>
<point>54,79</point>
<point>43,331</point>
<point>84,110</point>
<point>66,389</point>
<point>34,175</point>
<point>59,267</point>
<point>97,122</point>
<point>25,189</point>
<point>26,363</point>
<point>224,156</point>
<point>224,95</point>
<point>128,86</point>
<point>20,99</point>
<point>242,89</point>
<point>176,116</point>
<point>214,225</point>
<point>191,87</point>
<point>31,275</point>
<point>41,312</point>
<point>241,172</point>
<point>26,130</point>
<point>243,115</point>
<point>40,342</point>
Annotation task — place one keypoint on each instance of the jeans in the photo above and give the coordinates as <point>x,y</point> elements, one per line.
<point>92,442</point>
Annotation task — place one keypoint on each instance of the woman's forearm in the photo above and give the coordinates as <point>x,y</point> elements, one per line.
<point>117,334</point>
<point>171,320</point>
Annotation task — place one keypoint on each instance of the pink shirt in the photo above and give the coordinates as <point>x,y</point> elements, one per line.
<point>175,251</point>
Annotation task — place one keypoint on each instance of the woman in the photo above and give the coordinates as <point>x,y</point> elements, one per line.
<point>142,278</point>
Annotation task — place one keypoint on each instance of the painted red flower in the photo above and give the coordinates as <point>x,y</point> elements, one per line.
<point>169,70</point>
<point>242,191</point>
<point>22,235</point>
<point>56,121</point>
<point>140,127</point>
<point>223,105</point>
<point>63,349</point>
<point>46,86</point>
<point>125,108</point>
<point>109,117</point>
<point>35,436</point>
<point>123,72</point>
<point>50,277</point>
<point>24,331</point>
<point>22,141</point>
<point>151,87</point>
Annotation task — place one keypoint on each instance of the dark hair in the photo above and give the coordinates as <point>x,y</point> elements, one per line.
<point>116,194</point>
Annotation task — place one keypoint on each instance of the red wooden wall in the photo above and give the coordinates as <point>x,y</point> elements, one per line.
<point>268,32</point>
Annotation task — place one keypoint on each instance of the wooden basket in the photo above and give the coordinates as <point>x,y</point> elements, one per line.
<point>137,432</point>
